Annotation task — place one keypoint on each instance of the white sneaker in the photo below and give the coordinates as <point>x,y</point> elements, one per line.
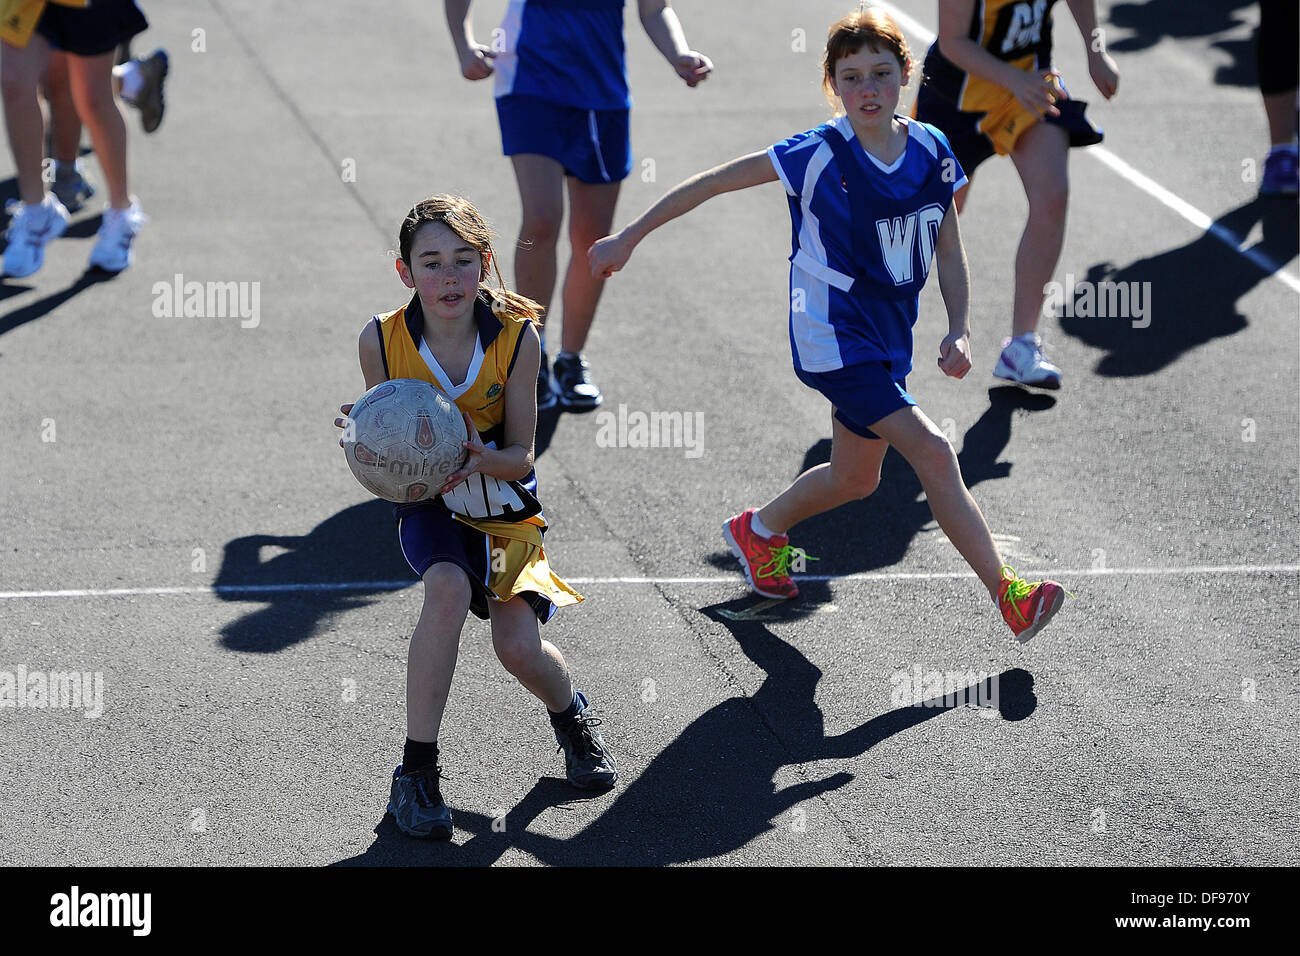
<point>112,251</point>
<point>1022,362</point>
<point>30,228</point>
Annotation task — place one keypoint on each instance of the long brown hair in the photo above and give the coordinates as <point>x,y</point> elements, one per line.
<point>459,215</point>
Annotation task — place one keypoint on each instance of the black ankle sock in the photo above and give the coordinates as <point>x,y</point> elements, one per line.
<point>567,716</point>
<point>568,356</point>
<point>418,754</point>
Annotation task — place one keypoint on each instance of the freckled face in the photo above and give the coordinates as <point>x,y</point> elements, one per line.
<point>444,271</point>
<point>868,85</point>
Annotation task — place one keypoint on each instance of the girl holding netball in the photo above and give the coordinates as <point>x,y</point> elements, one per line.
<point>478,545</point>
<point>990,87</point>
<point>870,195</point>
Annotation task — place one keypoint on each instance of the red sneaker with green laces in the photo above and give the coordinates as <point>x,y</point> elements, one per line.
<point>766,561</point>
<point>1027,606</point>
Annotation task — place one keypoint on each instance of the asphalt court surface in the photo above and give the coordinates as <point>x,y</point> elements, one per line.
<point>193,534</point>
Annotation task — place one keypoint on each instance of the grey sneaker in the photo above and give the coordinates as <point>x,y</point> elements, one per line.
<point>71,188</point>
<point>586,761</point>
<point>149,101</point>
<point>415,801</point>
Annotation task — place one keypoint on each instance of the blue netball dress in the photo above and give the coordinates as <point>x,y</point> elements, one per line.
<point>863,241</point>
<point>561,85</point>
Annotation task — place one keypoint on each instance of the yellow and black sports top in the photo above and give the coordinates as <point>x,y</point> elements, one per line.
<point>1018,32</point>
<point>506,512</point>
<point>482,396</point>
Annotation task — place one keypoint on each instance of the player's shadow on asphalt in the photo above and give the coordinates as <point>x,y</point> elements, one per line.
<point>876,532</point>
<point>35,310</point>
<point>547,420</point>
<point>293,586</point>
<point>355,551</point>
<point>710,791</point>
<point>1151,21</point>
<point>1192,296</point>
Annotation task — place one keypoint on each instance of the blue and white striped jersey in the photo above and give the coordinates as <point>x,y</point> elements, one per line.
<point>863,240</point>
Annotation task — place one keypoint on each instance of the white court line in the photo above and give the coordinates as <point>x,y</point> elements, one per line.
<point>1145,183</point>
<point>328,586</point>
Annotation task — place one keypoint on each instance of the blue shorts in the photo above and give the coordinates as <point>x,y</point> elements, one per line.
<point>593,145</point>
<point>862,394</point>
<point>429,535</point>
<point>972,147</point>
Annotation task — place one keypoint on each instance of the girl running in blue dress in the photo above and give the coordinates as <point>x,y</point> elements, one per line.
<point>562,101</point>
<point>870,195</point>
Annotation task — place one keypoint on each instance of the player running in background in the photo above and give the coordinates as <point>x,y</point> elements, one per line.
<point>1278,62</point>
<point>480,347</point>
<point>139,83</point>
<point>562,102</point>
<point>989,86</point>
<point>31,32</point>
<point>870,196</point>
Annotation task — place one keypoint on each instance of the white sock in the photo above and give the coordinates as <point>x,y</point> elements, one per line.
<point>759,528</point>
<point>132,78</point>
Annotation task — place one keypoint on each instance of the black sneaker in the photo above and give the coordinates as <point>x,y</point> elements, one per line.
<point>71,187</point>
<point>416,803</point>
<point>573,380</point>
<point>587,763</point>
<point>545,394</point>
<point>149,101</point>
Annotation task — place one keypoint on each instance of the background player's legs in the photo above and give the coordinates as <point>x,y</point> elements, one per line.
<point>65,125</point>
<point>1278,66</point>
<point>535,663</point>
<point>1040,156</point>
<point>431,661</point>
<point>69,185</point>
<point>853,472</point>
<point>541,192</point>
<point>931,455</point>
<point>21,69</point>
<point>92,90</point>
<point>1281,110</point>
<point>1276,63</point>
<point>591,216</point>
